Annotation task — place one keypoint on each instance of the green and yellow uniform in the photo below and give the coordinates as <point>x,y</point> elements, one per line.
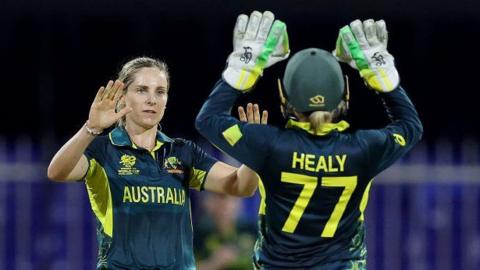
<point>141,200</point>
<point>315,186</point>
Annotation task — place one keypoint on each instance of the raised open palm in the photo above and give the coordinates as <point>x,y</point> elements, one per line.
<point>252,114</point>
<point>102,112</point>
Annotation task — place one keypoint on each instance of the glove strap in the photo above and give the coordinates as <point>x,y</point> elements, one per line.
<point>240,79</point>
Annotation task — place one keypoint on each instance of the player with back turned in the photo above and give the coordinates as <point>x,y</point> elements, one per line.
<point>315,178</point>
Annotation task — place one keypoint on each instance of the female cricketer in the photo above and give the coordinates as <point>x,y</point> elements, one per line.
<point>137,177</point>
<point>316,178</point>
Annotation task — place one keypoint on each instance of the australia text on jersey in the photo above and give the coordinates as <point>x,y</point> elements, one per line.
<point>153,194</point>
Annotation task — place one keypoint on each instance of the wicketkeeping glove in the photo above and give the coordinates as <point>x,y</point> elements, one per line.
<point>259,41</point>
<point>364,47</point>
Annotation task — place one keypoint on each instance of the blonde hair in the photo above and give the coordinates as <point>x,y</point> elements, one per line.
<point>127,76</point>
<point>319,118</point>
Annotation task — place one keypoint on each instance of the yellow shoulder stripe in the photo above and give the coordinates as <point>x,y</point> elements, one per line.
<point>364,201</point>
<point>232,134</point>
<point>100,196</point>
<point>261,188</point>
<point>197,178</point>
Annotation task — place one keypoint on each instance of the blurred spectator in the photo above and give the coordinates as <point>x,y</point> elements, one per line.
<point>222,239</point>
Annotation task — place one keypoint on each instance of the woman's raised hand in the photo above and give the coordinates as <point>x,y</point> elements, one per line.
<point>102,112</point>
<point>252,115</point>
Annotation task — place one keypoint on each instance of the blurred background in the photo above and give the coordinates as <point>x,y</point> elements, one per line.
<point>423,212</point>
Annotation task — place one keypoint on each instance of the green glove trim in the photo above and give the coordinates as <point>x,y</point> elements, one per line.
<point>271,43</point>
<point>285,42</point>
<point>339,50</point>
<point>354,48</point>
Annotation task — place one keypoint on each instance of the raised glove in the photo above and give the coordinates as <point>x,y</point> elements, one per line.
<point>364,47</point>
<point>259,41</point>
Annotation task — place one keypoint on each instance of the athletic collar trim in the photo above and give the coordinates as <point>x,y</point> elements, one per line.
<point>119,137</point>
<point>325,129</point>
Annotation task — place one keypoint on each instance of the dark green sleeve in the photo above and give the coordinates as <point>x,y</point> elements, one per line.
<point>200,165</point>
<point>247,143</point>
<point>385,146</point>
<point>96,149</point>
<point>95,154</point>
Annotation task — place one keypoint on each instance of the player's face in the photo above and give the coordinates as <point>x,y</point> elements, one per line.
<point>147,96</point>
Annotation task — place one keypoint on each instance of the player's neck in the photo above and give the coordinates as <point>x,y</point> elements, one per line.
<point>141,137</point>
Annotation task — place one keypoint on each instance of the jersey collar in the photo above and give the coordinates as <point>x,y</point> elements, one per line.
<point>325,129</point>
<point>119,137</point>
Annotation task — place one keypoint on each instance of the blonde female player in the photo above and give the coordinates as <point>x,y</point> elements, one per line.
<point>138,178</point>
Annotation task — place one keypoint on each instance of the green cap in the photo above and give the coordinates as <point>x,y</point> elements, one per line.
<point>313,81</point>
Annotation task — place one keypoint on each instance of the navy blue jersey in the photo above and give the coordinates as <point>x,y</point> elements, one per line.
<point>315,186</point>
<point>141,200</point>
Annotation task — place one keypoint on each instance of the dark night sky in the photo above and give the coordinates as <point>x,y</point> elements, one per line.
<point>55,54</point>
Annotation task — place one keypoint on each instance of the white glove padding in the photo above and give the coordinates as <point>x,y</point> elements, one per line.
<point>364,47</point>
<point>258,42</point>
